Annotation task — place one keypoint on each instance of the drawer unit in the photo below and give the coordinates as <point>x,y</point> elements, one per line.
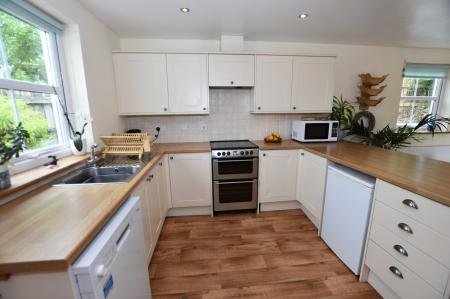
<point>426,211</point>
<point>399,278</point>
<point>408,255</point>
<point>415,233</point>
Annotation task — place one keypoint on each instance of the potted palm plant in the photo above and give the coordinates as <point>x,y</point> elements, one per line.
<point>342,111</point>
<point>12,142</point>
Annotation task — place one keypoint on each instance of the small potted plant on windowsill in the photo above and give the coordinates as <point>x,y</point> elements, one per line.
<point>12,142</point>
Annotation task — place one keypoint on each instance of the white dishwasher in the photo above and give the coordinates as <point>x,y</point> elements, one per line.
<point>113,266</point>
<point>348,198</point>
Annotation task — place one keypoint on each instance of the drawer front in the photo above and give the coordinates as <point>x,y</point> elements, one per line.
<point>422,237</point>
<point>422,209</point>
<point>423,265</point>
<point>409,285</point>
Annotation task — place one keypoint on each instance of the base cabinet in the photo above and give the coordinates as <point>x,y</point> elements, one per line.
<point>277,175</point>
<point>312,173</point>
<point>190,180</point>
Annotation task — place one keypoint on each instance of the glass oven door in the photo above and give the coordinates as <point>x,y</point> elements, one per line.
<point>235,195</point>
<point>235,169</point>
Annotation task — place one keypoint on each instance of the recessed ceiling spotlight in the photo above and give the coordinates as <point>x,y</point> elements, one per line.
<point>185,9</point>
<point>303,16</point>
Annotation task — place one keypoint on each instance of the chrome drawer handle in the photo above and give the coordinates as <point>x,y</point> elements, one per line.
<point>410,203</point>
<point>405,227</point>
<point>401,250</point>
<point>396,272</point>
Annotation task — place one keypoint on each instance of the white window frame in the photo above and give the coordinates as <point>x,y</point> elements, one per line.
<point>435,100</point>
<point>55,87</point>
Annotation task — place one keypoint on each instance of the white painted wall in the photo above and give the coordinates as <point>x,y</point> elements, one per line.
<point>351,61</point>
<point>87,47</point>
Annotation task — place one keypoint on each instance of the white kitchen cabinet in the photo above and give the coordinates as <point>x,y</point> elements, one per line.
<point>141,82</point>
<point>190,179</point>
<point>142,192</point>
<point>232,70</point>
<point>277,175</point>
<point>313,84</point>
<point>164,184</point>
<point>273,85</point>
<point>156,215</point>
<point>188,83</point>
<point>312,173</point>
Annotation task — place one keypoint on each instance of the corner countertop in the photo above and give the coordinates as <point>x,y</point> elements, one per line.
<point>424,176</point>
<point>47,229</point>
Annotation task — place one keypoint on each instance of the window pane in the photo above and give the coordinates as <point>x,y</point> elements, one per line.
<point>36,111</point>
<point>22,50</point>
<point>412,111</point>
<point>408,87</point>
<point>425,88</point>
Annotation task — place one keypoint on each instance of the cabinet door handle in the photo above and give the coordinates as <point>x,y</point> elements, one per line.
<point>405,227</point>
<point>410,203</point>
<point>171,158</point>
<point>264,155</point>
<point>400,250</point>
<point>396,272</point>
<point>231,82</point>
<point>151,176</point>
<point>204,108</point>
<point>259,108</point>
<point>160,163</point>
<point>302,154</point>
<point>294,107</point>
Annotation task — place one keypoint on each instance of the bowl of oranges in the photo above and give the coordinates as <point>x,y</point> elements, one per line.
<point>274,137</point>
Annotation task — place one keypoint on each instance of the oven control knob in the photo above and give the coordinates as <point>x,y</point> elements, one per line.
<point>242,153</point>
<point>228,153</point>
<point>223,153</point>
<point>251,152</point>
<point>246,152</point>
<point>100,270</point>
<point>218,154</point>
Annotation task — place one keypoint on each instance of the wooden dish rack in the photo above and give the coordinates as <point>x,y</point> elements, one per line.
<point>127,144</point>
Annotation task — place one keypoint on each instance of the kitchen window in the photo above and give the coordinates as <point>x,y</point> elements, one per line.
<point>421,91</point>
<point>31,89</point>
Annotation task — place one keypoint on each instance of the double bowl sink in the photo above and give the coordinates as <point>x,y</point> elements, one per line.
<point>100,175</point>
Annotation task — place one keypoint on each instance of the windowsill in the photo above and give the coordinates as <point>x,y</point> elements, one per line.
<point>36,175</point>
<point>435,132</point>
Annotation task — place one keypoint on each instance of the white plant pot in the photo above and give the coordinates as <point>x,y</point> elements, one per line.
<point>75,151</point>
<point>5,178</point>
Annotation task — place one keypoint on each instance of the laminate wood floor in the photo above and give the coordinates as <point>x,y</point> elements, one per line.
<point>270,255</point>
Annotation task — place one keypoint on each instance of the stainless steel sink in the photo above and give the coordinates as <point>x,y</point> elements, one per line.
<point>100,175</point>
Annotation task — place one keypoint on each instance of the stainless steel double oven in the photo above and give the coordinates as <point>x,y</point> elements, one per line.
<point>235,175</point>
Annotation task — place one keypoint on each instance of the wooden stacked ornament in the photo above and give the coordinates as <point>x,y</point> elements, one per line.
<point>369,89</point>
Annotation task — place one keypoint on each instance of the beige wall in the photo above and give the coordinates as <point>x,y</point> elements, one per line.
<point>87,45</point>
<point>351,61</point>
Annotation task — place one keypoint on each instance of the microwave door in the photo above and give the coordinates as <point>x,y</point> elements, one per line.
<point>317,131</point>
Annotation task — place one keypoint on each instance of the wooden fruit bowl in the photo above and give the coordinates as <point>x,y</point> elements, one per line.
<point>273,141</point>
<point>365,90</point>
<point>368,80</point>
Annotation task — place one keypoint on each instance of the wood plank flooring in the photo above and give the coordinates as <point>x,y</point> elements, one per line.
<point>271,255</point>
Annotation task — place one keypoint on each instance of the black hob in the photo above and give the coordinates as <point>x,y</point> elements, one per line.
<point>233,149</point>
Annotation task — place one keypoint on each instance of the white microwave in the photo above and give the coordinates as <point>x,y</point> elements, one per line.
<point>315,130</point>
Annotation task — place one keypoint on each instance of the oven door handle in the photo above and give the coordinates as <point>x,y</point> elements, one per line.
<point>238,182</point>
<point>228,161</point>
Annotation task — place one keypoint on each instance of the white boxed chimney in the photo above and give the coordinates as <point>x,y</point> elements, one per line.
<point>232,43</point>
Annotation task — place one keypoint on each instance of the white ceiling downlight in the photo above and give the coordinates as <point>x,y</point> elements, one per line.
<point>303,16</point>
<point>185,9</point>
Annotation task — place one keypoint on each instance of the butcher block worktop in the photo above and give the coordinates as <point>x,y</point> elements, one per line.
<point>47,229</point>
<point>424,176</point>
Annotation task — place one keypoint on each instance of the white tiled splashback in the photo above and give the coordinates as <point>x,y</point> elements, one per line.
<point>229,118</point>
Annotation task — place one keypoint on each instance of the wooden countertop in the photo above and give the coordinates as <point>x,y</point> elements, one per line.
<point>424,176</point>
<point>47,229</point>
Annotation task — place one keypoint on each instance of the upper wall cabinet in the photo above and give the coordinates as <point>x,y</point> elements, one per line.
<point>141,82</point>
<point>313,84</point>
<point>293,84</point>
<point>231,70</point>
<point>188,83</point>
<point>273,84</point>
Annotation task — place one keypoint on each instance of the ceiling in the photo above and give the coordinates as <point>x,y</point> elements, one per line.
<point>406,23</point>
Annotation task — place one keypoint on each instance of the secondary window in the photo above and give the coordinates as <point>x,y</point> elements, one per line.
<point>419,97</point>
<point>30,83</point>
